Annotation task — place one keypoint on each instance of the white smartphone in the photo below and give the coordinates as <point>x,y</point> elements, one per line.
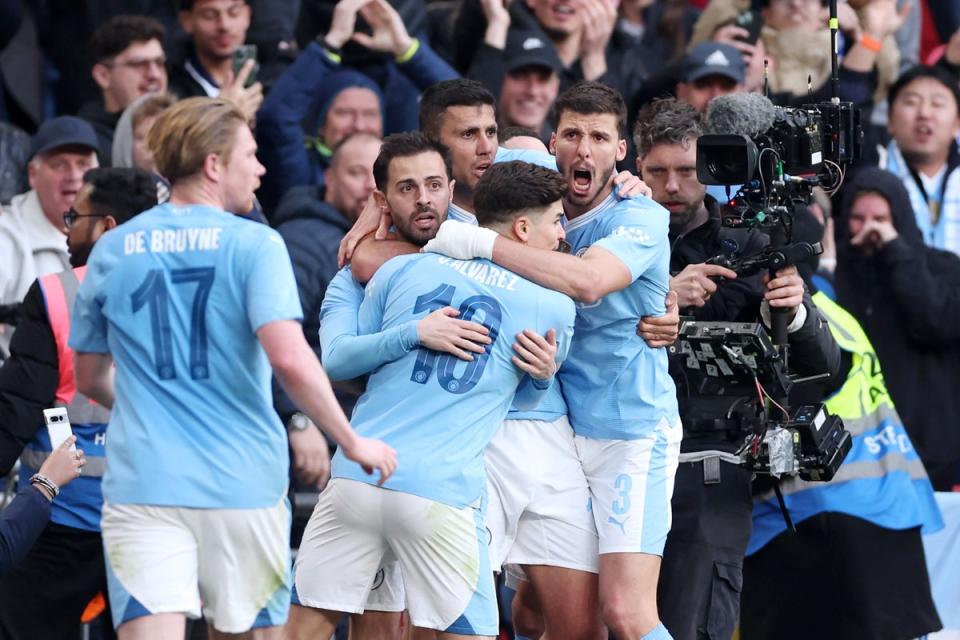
<point>58,426</point>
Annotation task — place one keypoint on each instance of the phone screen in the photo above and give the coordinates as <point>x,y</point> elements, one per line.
<point>240,56</point>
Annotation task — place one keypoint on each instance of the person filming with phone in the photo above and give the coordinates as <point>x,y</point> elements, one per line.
<point>216,63</point>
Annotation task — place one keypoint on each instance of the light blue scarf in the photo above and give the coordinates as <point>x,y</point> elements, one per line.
<point>946,233</point>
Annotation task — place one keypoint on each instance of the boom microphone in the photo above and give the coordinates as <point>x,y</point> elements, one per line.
<point>748,114</point>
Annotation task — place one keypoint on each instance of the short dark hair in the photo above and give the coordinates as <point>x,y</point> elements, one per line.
<point>923,71</point>
<point>356,135</point>
<point>116,34</point>
<point>588,98</point>
<point>121,192</point>
<point>516,132</point>
<point>666,121</point>
<point>187,5</point>
<point>459,92</point>
<point>404,145</point>
<point>507,188</point>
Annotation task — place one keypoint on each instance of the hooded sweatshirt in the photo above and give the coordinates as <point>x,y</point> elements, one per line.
<point>907,298</point>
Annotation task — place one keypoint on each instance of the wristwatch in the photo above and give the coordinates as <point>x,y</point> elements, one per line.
<point>299,422</point>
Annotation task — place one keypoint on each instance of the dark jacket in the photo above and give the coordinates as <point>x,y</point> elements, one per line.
<point>28,379</point>
<point>292,104</point>
<point>907,297</point>
<point>21,523</point>
<point>312,230</point>
<point>105,124</point>
<point>812,348</point>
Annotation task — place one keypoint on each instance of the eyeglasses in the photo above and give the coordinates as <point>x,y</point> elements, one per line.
<point>71,216</point>
<point>140,65</point>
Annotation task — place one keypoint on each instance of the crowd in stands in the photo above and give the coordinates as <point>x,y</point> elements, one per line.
<point>322,82</point>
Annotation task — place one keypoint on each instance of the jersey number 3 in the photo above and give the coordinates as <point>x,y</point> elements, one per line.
<point>153,293</point>
<point>444,363</point>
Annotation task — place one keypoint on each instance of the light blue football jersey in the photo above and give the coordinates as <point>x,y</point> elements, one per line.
<point>552,406</point>
<point>176,296</point>
<point>439,412</point>
<point>616,387</point>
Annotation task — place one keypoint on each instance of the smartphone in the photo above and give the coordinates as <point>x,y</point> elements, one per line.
<point>58,426</point>
<point>243,53</point>
<point>752,22</point>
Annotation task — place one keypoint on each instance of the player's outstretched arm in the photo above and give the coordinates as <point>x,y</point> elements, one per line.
<point>300,373</point>
<point>94,376</point>
<point>586,279</point>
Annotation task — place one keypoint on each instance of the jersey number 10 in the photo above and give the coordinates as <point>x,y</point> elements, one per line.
<point>153,292</point>
<point>444,363</point>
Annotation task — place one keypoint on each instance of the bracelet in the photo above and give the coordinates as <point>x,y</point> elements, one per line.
<point>870,43</point>
<point>46,483</point>
<point>411,51</point>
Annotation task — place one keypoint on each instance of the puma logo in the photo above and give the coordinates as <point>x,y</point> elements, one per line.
<point>622,525</point>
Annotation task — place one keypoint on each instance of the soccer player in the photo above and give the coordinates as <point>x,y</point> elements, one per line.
<point>621,399</point>
<point>461,115</point>
<point>432,521</point>
<point>194,306</point>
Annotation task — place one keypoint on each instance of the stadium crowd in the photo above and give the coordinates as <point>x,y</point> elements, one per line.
<point>365,315</point>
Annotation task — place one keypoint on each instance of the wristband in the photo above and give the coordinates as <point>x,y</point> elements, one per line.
<point>870,43</point>
<point>334,53</point>
<point>411,51</point>
<point>46,483</point>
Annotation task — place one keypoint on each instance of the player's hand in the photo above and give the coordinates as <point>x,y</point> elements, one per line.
<point>536,354</point>
<point>462,241</point>
<point>63,465</point>
<point>785,291</point>
<point>311,456</point>
<point>661,331</point>
<point>373,218</point>
<point>248,99</point>
<point>442,331</point>
<point>373,455</point>
<point>694,285</point>
<point>630,186</point>
<point>952,53</point>
<point>389,33</point>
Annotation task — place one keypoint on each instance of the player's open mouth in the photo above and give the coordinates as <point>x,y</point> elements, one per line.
<point>480,169</point>
<point>425,220</point>
<point>581,181</point>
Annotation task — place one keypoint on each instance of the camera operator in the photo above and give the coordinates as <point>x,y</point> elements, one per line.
<point>701,577</point>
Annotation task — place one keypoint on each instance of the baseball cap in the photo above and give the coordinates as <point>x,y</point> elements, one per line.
<point>530,49</point>
<point>713,58</point>
<point>61,132</point>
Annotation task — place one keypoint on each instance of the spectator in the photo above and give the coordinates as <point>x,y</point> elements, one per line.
<point>796,40</point>
<point>907,298</point>
<point>129,62</point>
<point>924,123</point>
<point>130,140</point>
<point>26,516</point>
<point>525,75</point>
<point>216,29</point>
<point>581,31</point>
<point>335,102</point>
<point>661,30</point>
<point>32,240</point>
<point>312,220</point>
<point>709,70</point>
<point>68,556</point>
